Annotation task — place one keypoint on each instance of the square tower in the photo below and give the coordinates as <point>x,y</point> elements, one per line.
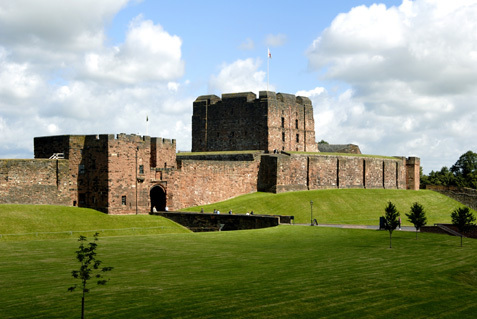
<point>240,121</point>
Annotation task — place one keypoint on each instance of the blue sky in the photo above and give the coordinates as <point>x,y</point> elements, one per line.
<point>395,77</point>
<point>217,32</point>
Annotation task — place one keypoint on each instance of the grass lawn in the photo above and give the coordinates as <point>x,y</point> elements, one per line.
<point>340,206</point>
<point>281,272</point>
<point>24,222</point>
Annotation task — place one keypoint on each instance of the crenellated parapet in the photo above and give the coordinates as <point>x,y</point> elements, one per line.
<point>250,97</point>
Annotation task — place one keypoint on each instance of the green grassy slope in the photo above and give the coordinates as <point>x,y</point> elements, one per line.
<point>58,220</point>
<point>282,272</point>
<point>339,206</point>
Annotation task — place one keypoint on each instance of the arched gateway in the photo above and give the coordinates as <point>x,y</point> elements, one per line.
<point>158,198</point>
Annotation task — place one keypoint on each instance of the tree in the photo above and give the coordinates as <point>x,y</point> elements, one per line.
<point>90,267</point>
<point>463,218</point>
<point>443,177</point>
<point>463,173</point>
<point>417,216</point>
<point>465,170</point>
<point>391,217</point>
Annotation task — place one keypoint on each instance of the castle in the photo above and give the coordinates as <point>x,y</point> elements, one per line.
<point>240,144</point>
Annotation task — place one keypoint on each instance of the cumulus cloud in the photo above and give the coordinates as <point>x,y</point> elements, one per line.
<point>413,73</point>
<point>17,82</point>
<point>239,76</point>
<point>54,30</point>
<point>148,54</point>
<point>60,75</point>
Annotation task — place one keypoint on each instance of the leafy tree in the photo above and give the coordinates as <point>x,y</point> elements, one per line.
<point>90,267</point>
<point>391,217</point>
<point>417,216</point>
<point>463,173</point>
<point>463,218</point>
<point>465,170</point>
<point>444,177</point>
<point>323,142</point>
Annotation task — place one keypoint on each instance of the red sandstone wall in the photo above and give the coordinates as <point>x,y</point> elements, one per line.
<point>126,153</point>
<point>350,172</point>
<point>323,172</point>
<point>163,153</point>
<point>413,170</point>
<point>355,172</point>
<point>292,173</point>
<point>206,181</point>
<point>71,147</point>
<point>297,126</point>
<point>34,182</point>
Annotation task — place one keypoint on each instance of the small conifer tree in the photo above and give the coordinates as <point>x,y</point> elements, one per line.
<point>417,216</point>
<point>391,217</point>
<point>463,218</point>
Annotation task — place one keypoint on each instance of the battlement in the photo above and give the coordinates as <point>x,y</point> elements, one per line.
<point>207,99</point>
<point>251,97</point>
<point>163,141</point>
<point>243,96</point>
<point>130,137</point>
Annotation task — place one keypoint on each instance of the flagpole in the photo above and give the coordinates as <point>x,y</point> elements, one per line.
<point>147,125</point>
<point>268,69</point>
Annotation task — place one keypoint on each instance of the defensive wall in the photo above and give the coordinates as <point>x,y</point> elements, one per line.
<point>205,179</point>
<point>121,181</point>
<point>34,182</point>
<point>293,172</point>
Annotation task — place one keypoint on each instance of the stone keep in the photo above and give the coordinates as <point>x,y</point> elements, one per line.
<point>240,121</point>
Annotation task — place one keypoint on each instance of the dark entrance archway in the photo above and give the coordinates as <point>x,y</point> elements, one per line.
<point>158,198</point>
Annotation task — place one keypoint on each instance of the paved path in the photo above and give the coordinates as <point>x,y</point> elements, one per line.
<point>403,228</point>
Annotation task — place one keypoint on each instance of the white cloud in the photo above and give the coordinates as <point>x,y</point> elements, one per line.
<point>239,76</point>
<point>17,82</point>
<point>311,93</point>
<point>413,72</point>
<point>59,75</point>
<point>46,31</point>
<point>148,54</point>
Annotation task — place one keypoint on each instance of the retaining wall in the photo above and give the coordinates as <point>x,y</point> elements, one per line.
<point>200,222</point>
<point>466,196</point>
